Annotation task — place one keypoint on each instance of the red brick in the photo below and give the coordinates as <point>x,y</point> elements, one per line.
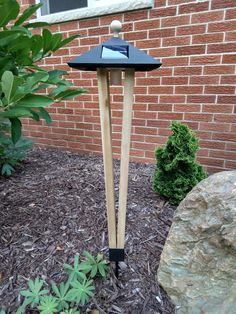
<point>230,36</point>
<point>207,17</point>
<point>219,4</point>
<point>148,81</point>
<point>230,14</point>
<point>174,80</point>
<point>89,41</point>
<point>222,26</point>
<point>148,43</point>
<point>228,79</point>
<point>228,118</point>
<point>198,117</point>
<point>163,32</point>
<point>208,38</point>
<point>212,144</point>
<point>230,164</point>
<point>162,52</point>
<point>176,41</point>
<point>220,69</point>
<point>191,30</point>
<point>187,108</point>
<point>204,80</point>
<point>201,99</point>
<point>229,58</point>
<point>221,48</point>
<point>231,146</point>
<point>136,35</point>
<point>220,127</point>
<point>98,31</point>
<point>168,11</point>
<point>158,123</point>
<point>202,60</point>
<point>217,108</point>
<point>161,90</point>
<point>211,162</point>
<point>223,154</point>
<point>172,99</point>
<point>160,107</point>
<point>145,98</point>
<point>145,130</point>
<point>227,99</point>
<point>177,61</point>
<point>148,24</point>
<point>170,115</point>
<point>89,23</point>
<point>193,7</point>
<point>136,15</point>
<point>175,21</point>
<point>187,70</point>
<point>188,89</point>
<point>224,136</point>
<point>191,50</point>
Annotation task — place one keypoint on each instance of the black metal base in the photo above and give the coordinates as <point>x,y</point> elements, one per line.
<point>116,255</point>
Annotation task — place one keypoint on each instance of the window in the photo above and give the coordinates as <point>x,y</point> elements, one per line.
<point>56,11</point>
<point>53,6</point>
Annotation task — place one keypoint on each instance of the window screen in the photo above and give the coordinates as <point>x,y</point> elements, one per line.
<point>53,6</point>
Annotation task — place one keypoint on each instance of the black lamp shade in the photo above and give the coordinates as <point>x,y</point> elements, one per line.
<point>115,53</point>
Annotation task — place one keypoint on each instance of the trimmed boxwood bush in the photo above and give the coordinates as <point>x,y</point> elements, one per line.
<point>177,171</point>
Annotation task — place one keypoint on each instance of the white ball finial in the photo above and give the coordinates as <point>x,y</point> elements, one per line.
<point>116,27</point>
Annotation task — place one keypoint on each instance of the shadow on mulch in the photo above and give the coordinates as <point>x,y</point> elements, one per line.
<point>54,207</point>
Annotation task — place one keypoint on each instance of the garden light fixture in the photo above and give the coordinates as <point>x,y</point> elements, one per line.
<point>109,60</point>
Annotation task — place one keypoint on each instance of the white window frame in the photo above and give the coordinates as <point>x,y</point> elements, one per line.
<point>103,7</point>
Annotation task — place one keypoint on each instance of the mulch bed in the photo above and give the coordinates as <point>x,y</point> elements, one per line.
<point>54,207</point>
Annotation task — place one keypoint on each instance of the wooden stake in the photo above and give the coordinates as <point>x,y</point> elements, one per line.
<point>105,117</point>
<point>125,148</point>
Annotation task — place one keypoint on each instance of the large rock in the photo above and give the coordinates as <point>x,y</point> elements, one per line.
<point>198,263</point>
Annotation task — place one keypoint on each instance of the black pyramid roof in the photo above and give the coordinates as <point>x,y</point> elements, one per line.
<point>115,53</point>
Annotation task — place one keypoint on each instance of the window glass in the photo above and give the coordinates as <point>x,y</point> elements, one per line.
<point>53,6</point>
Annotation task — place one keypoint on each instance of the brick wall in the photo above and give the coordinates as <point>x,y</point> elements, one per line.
<point>196,42</point>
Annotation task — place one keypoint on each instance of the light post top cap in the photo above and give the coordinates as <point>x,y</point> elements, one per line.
<point>116,27</point>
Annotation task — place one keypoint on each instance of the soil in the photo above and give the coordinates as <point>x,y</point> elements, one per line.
<point>53,207</point>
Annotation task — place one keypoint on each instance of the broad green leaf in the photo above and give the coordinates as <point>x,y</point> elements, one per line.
<point>45,115</point>
<point>56,40</point>
<point>47,41</point>
<point>8,11</point>
<point>15,129</point>
<point>8,85</point>
<point>16,113</point>
<point>6,64</point>
<point>56,73</point>
<point>21,43</point>
<point>71,93</point>
<point>36,25</point>
<point>27,13</point>
<point>66,41</point>
<point>36,101</point>
<point>7,170</point>
<point>36,45</point>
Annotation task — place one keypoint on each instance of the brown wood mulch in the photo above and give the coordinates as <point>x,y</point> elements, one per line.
<point>53,207</point>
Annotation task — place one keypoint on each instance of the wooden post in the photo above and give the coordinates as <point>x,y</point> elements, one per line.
<point>125,148</point>
<point>105,117</point>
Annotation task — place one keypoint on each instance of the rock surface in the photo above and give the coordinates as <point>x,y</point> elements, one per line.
<point>198,263</point>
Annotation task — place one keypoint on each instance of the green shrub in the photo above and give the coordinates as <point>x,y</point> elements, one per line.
<point>26,89</point>
<point>177,171</point>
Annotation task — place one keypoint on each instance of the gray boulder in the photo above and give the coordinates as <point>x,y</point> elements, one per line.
<point>198,263</point>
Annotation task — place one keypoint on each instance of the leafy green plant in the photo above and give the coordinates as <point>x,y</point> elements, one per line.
<point>66,297</point>
<point>26,88</point>
<point>48,305</point>
<point>34,293</point>
<point>177,171</point>
<point>94,265</point>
